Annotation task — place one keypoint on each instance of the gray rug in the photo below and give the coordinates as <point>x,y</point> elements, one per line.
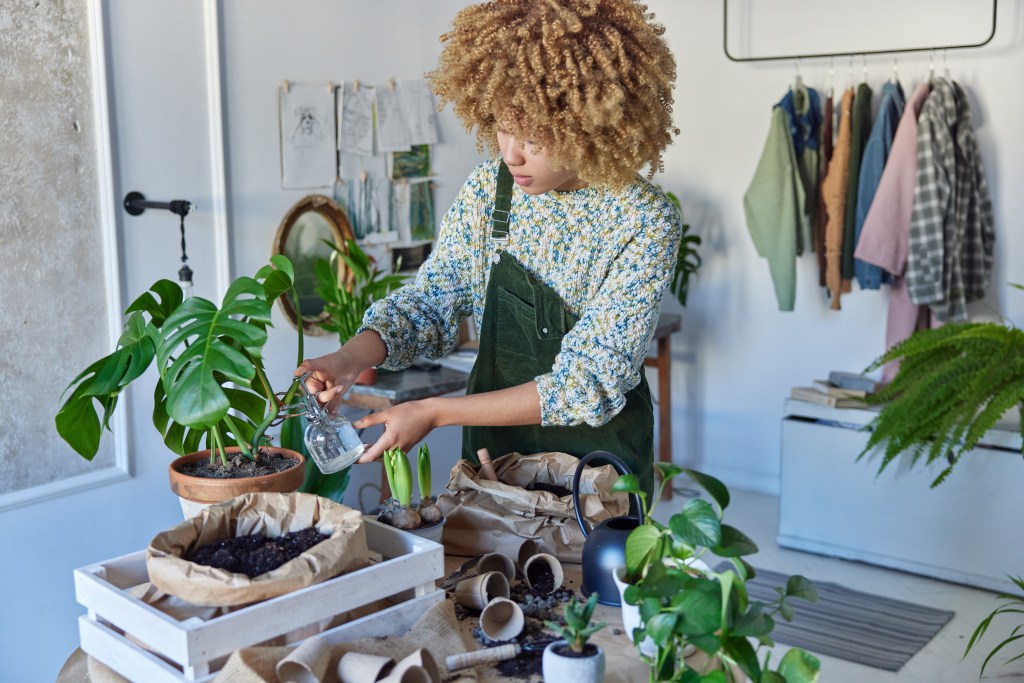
<point>872,630</point>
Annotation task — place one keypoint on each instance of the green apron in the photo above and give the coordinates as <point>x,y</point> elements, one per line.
<point>521,332</point>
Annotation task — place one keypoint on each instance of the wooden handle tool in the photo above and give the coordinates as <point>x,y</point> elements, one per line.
<point>486,656</point>
<point>485,464</point>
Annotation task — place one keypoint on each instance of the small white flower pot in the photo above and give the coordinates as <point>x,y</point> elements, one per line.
<point>558,668</point>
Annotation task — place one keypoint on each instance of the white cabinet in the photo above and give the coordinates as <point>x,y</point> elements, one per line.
<point>967,530</point>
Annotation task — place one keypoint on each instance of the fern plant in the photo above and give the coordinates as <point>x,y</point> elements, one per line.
<point>953,384</point>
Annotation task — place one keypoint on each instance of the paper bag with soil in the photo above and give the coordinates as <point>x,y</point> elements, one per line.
<point>270,514</point>
<point>483,515</point>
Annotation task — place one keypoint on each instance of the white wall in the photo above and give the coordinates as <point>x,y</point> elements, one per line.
<point>734,361</point>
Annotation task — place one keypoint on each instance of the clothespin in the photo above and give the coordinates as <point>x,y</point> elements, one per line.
<point>391,84</point>
<point>330,86</point>
<point>355,85</point>
<point>285,86</point>
<point>363,175</point>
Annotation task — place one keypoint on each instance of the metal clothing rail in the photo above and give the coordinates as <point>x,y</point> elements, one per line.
<point>725,44</point>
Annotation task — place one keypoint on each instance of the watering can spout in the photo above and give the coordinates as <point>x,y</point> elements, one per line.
<point>604,549</point>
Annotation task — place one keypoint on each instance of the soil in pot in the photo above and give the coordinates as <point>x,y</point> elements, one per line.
<point>255,554</point>
<point>541,578</point>
<point>589,650</point>
<point>239,467</point>
<point>559,491</point>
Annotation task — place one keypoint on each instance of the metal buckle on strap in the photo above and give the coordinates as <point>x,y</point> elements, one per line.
<point>500,216</point>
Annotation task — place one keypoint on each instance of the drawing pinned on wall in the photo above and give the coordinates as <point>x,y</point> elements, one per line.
<point>421,209</point>
<point>392,133</point>
<point>412,210</point>
<point>355,124</point>
<point>307,136</point>
<point>420,113</point>
<point>412,164</point>
<point>366,201</point>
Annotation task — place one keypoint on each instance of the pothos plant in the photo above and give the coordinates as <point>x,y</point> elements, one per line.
<point>212,389</point>
<point>681,605</point>
<point>398,511</point>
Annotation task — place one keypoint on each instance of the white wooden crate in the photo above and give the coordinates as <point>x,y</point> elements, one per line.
<point>196,649</point>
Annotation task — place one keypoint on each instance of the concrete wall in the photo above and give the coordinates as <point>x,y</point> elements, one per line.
<point>733,363</point>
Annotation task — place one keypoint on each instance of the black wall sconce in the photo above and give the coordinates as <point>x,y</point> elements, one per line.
<point>135,203</point>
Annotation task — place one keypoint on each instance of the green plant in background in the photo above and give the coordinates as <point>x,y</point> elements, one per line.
<point>688,260</point>
<point>348,283</point>
<point>953,384</point>
<point>1014,605</point>
<point>213,390</point>
<point>681,603</point>
<point>577,628</point>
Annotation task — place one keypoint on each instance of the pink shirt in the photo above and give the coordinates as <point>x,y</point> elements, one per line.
<point>886,233</point>
<point>883,240</point>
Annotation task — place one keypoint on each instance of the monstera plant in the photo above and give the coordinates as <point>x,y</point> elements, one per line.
<point>212,390</point>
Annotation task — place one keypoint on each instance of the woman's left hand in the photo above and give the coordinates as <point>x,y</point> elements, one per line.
<point>405,425</point>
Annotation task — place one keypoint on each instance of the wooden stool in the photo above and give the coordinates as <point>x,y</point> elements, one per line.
<point>668,323</point>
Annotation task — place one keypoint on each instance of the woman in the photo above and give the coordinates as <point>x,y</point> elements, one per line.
<point>559,250</point>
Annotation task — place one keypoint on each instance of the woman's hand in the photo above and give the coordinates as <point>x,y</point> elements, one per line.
<point>405,425</point>
<point>333,374</point>
<point>330,376</point>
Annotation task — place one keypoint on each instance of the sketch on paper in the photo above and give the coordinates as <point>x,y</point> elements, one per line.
<point>366,201</point>
<point>307,137</point>
<point>392,134</point>
<point>355,125</point>
<point>420,113</point>
<point>399,219</point>
<point>412,164</point>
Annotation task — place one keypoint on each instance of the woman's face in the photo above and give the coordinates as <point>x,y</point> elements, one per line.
<point>530,170</point>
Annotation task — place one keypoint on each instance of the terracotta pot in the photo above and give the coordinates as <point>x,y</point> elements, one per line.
<point>203,491</point>
<point>367,377</point>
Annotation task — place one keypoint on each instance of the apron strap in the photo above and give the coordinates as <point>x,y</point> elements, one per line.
<point>502,206</point>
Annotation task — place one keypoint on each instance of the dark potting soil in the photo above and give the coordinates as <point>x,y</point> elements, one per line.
<point>255,554</point>
<point>559,491</point>
<point>589,650</point>
<point>541,578</point>
<point>239,467</point>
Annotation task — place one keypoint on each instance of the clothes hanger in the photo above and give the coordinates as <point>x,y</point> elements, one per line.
<point>945,64</point>
<point>864,70</point>
<point>931,68</point>
<point>798,81</point>
<point>895,69</point>
<point>831,77</point>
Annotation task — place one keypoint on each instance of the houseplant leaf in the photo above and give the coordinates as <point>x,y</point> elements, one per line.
<point>697,524</point>
<point>798,666</point>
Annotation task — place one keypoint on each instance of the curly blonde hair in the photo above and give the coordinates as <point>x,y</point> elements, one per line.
<point>588,81</point>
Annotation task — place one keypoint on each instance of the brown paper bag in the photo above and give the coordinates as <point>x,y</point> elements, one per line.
<point>483,514</point>
<point>271,514</point>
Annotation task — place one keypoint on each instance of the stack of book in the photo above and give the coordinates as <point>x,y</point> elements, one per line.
<point>840,390</point>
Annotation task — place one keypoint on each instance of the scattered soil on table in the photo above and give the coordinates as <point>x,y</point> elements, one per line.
<point>538,606</point>
<point>239,467</point>
<point>255,554</point>
<point>559,491</point>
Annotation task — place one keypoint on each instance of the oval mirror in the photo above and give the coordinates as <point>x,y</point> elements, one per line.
<point>301,237</point>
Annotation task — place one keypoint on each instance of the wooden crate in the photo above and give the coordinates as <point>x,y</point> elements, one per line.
<point>195,649</point>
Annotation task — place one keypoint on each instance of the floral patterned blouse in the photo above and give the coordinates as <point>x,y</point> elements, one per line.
<point>608,254</point>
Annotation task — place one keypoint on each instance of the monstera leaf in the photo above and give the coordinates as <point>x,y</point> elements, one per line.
<point>209,359</point>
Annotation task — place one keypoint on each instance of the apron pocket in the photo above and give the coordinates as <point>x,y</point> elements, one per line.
<point>516,339</point>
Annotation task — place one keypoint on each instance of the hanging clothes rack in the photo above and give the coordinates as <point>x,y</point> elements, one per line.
<point>725,44</point>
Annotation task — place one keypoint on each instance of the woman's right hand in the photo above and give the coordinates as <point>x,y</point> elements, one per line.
<point>330,376</point>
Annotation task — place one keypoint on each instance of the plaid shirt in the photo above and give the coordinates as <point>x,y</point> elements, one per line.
<point>951,228</point>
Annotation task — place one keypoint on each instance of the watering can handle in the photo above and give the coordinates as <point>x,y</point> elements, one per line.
<point>619,466</point>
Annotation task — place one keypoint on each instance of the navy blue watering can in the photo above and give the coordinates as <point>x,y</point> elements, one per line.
<point>605,545</point>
